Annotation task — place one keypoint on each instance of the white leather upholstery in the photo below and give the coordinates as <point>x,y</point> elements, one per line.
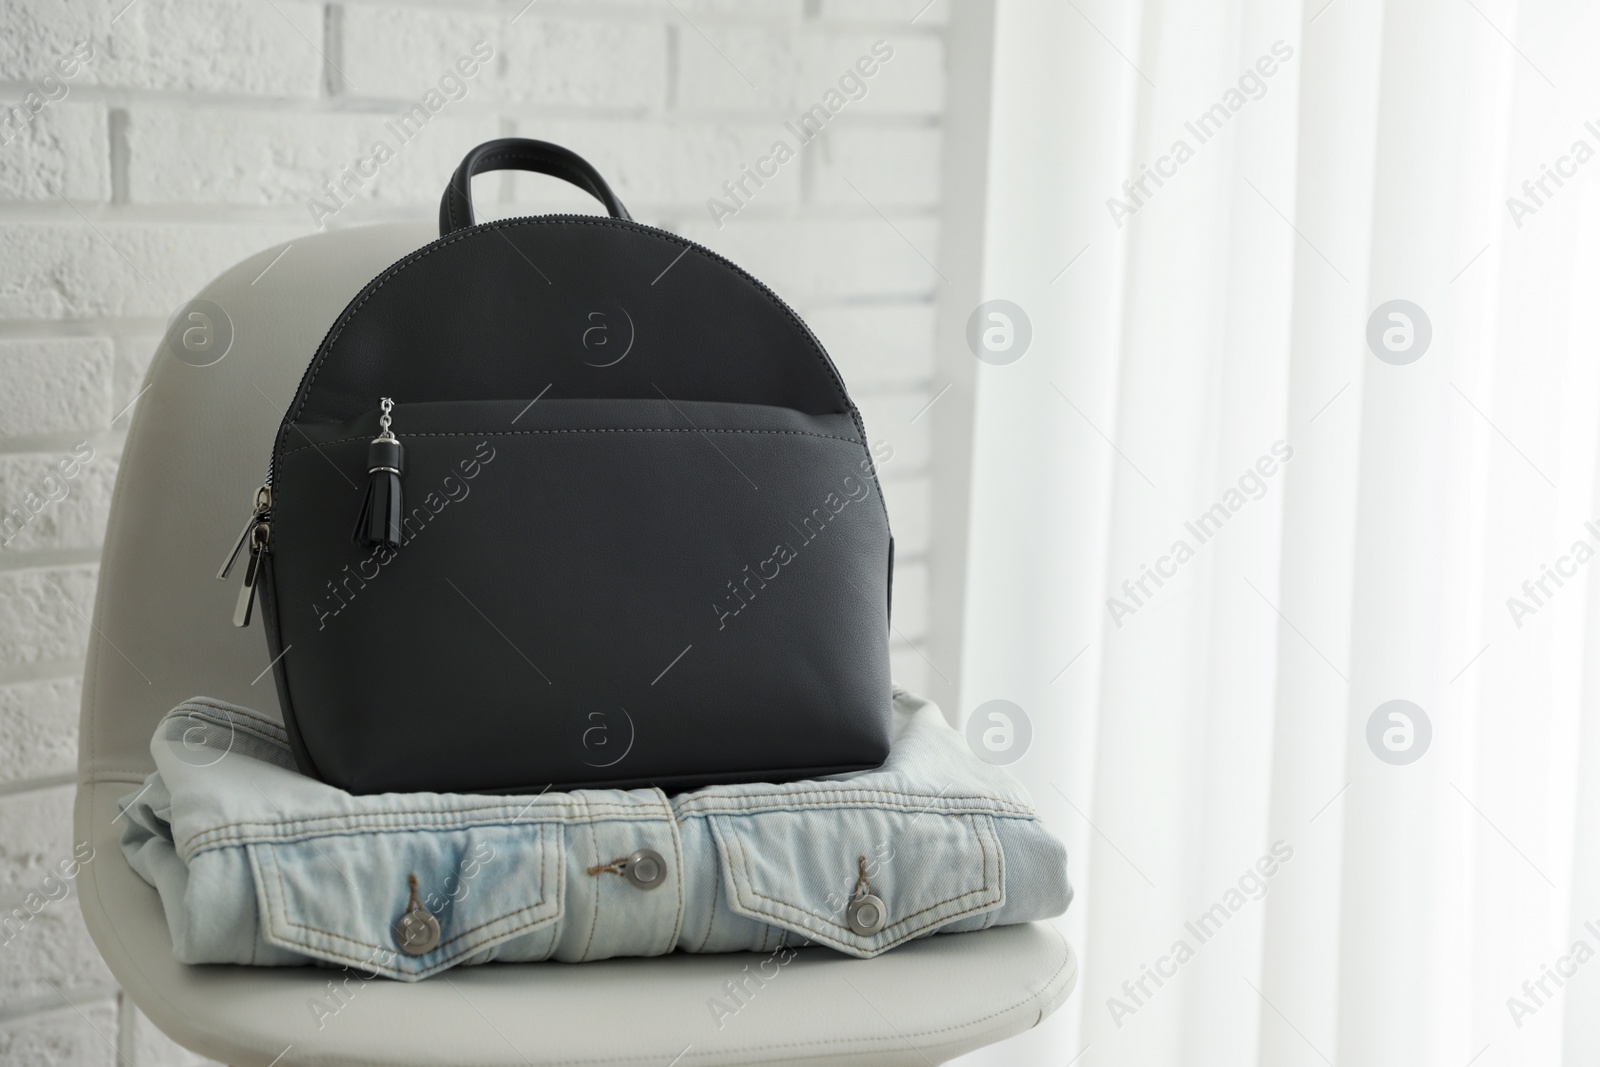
<point>197,449</point>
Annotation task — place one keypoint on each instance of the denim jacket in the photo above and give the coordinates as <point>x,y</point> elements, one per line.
<point>258,864</point>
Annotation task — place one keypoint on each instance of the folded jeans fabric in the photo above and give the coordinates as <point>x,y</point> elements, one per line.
<point>257,864</point>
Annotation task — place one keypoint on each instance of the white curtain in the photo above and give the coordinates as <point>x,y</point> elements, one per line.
<point>1184,730</point>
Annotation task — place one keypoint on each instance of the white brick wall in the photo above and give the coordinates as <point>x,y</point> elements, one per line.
<point>48,160</point>
<point>194,133</point>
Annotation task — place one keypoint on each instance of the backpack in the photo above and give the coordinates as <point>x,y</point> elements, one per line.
<point>570,501</point>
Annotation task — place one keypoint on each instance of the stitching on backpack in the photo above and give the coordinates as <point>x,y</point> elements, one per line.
<point>581,429</point>
<point>565,171</point>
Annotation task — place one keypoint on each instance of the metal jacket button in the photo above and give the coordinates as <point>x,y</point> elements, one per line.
<point>866,914</point>
<point>645,868</point>
<point>417,932</point>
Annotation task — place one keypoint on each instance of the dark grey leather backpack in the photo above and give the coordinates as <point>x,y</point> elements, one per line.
<point>616,520</point>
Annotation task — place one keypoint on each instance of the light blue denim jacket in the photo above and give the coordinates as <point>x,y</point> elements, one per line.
<point>257,864</point>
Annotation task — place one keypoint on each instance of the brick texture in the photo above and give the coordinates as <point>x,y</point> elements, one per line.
<point>78,1035</point>
<point>43,942</point>
<point>58,153</point>
<point>39,721</point>
<point>56,386</point>
<point>794,71</point>
<point>44,615</point>
<point>118,270</point>
<point>50,509</point>
<point>220,156</point>
<point>219,46</point>
<point>661,162</point>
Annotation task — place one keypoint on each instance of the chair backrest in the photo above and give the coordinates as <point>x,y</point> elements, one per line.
<point>196,451</point>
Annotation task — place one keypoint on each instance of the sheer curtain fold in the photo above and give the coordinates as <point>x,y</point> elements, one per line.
<point>1190,714</point>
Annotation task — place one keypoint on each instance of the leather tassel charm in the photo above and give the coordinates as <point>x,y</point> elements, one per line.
<point>384,506</point>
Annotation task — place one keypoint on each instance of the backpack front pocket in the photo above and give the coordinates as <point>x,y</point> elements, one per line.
<point>586,592</point>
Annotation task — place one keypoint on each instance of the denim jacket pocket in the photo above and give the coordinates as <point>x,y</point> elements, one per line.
<point>339,898</point>
<point>926,869</point>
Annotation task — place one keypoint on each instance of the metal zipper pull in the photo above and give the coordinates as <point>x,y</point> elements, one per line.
<point>263,507</point>
<point>260,536</point>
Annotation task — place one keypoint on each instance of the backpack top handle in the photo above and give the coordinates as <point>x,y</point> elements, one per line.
<point>521,153</point>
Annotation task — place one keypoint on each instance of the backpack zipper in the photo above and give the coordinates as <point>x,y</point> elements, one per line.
<point>258,534</point>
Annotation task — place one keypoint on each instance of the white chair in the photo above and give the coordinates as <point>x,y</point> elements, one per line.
<point>196,450</point>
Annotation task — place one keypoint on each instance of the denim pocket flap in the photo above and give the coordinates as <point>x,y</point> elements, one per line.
<point>341,899</point>
<point>860,879</point>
